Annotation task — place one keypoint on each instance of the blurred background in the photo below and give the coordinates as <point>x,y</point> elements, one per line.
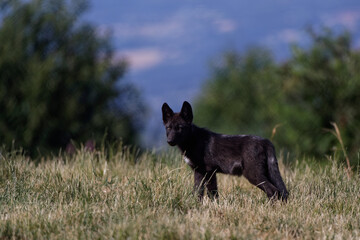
<point>81,71</point>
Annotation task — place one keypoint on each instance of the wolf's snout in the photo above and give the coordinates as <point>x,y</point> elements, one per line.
<point>171,142</point>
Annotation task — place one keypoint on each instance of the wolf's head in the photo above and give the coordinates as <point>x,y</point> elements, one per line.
<point>178,125</point>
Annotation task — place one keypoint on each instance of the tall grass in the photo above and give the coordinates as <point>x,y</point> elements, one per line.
<point>127,195</point>
<point>337,134</point>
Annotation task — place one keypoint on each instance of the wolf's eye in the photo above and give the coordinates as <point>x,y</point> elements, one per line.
<point>179,128</point>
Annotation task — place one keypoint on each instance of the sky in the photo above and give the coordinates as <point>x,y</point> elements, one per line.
<point>170,45</point>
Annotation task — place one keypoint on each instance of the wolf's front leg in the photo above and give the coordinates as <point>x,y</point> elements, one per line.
<point>211,185</point>
<point>205,179</point>
<point>199,184</point>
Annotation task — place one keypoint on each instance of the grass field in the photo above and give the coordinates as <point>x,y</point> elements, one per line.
<point>127,195</point>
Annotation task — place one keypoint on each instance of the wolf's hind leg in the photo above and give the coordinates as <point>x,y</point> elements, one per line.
<point>270,190</point>
<point>264,184</point>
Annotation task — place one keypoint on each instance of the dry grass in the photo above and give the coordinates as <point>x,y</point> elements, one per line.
<point>122,196</point>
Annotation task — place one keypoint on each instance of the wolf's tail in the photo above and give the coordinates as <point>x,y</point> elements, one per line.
<point>274,173</point>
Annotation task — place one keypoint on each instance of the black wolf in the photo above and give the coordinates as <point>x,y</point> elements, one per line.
<point>209,153</point>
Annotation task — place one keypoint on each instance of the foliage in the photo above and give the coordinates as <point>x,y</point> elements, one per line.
<point>59,79</point>
<point>97,196</point>
<point>252,94</point>
<point>322,84</point>
<point>243,90</point>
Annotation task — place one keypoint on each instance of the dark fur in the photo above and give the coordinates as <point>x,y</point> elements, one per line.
<point>209,153</point>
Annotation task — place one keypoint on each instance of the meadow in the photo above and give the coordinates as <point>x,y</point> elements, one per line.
<point>125,194</point>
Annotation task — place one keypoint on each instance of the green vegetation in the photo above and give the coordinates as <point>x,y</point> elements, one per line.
<point>122,194</point>
<point>59,79</point>
<point>252,93</point>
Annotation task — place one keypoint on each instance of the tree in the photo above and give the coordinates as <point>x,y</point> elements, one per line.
<point>242,94</point>
<point>59,79</point>
<point>322,85</point>
<point>253,94</point>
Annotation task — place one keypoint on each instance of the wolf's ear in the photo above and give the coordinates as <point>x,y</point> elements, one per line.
<point>186,112</point>
<point>167,112</point>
